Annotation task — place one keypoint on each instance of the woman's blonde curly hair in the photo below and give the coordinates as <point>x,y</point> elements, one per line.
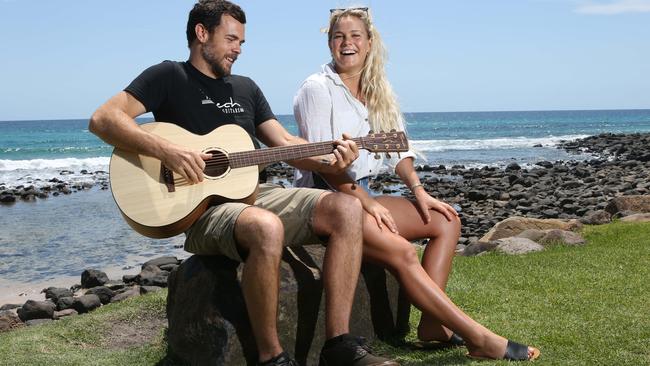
<point>383,110</point>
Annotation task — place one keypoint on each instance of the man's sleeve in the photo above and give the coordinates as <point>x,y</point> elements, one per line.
<point>151,86</point>
<point>263,110</point>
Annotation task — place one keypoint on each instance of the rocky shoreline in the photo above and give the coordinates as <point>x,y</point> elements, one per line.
<point>484,196</point>
<point>562,189</point>
<point>95,290</point>
<point>32,189</point>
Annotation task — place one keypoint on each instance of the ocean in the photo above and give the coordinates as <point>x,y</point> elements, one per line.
<point>56,237</point>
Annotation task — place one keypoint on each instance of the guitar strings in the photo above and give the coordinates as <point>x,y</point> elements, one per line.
<point>222,160</point>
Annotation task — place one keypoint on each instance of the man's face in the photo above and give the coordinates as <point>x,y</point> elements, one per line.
<point>223,45</point>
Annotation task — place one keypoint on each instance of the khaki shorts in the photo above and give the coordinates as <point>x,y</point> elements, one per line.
<point>214,232</point>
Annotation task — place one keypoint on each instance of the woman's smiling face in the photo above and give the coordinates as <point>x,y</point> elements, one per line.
<point>349,44</point>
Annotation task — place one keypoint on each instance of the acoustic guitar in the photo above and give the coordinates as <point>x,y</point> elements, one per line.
<point>159,203</point>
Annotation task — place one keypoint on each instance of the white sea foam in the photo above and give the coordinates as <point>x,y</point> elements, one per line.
<point>490,144</point>
<point>39,171</point>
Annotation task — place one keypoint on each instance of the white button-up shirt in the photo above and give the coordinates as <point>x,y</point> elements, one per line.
<point>324,109</point>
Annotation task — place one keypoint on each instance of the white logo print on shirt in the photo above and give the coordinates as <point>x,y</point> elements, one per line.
<point>230,107</point>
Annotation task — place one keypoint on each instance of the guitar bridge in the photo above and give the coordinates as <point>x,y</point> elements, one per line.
<point>167,176</point>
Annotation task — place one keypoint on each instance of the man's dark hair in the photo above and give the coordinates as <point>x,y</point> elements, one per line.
<point>208,13</point>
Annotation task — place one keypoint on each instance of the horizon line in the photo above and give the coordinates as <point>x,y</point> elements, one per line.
<point>482,111</point>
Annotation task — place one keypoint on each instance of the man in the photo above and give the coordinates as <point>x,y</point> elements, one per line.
<point>201,95</point>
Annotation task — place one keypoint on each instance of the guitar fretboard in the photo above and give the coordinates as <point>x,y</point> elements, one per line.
<point>282,153</point>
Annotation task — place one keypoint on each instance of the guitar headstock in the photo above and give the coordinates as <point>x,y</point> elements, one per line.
<point>394,141</point>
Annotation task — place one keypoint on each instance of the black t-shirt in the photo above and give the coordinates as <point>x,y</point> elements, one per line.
<point>177,92</point>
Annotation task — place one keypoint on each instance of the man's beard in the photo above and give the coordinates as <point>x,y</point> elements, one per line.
<point>212,60</point>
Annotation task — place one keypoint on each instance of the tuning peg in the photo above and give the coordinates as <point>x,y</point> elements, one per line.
<point>387,155</point>
<point>377,157</point>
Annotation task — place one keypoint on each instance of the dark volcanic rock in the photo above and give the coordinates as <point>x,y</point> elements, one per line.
<point>86,303</point>
<point>64,303</point>
<point>55,293</point>
<point>209,325</point>
<point>104,293</point>
<point>92,278</point>
<point>161,261</point>
<point>36,310</point>
<point>151,275</point>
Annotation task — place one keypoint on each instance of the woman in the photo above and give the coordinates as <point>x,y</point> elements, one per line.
<point>351,95</point>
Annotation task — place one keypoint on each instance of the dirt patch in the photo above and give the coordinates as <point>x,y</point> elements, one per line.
<point>133,332</point>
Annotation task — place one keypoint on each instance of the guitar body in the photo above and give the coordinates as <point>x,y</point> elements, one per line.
<point>160,207</point>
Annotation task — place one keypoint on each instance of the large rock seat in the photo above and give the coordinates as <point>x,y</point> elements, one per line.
<point>209,325</point>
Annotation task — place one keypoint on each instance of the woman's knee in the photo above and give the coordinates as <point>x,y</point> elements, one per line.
<point>441,226</point>
<point>402,256</point>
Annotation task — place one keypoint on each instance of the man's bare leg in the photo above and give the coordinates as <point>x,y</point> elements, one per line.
<point>339,216</point>
<point>261,234</point>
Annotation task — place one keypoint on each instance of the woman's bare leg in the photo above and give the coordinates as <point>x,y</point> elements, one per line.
<point>438,255</point>
<point>396,253</point>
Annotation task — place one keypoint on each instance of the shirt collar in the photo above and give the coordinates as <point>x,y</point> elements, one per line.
<point>331,73</point>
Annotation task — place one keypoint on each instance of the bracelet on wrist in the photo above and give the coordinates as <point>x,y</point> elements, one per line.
<point>415,186</point>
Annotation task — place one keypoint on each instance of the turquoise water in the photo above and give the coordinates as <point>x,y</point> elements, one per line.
<point>40,149</point>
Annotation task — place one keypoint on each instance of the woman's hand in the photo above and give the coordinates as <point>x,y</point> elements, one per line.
<point>380,213</point>
<point>425,203</point>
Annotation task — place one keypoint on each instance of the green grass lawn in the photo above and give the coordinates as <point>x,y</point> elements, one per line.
<point>580,305</point>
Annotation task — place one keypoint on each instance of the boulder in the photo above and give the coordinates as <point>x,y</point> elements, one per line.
<point>516,245</point>
<point>86,303</point>
<point>640,217</point>
<point>209,324</point>
<point>92,278</point>
<point>55,293</point>
<point>161,261</point>
<point>36,310</point>
<point>127,294</point>
<point>64,303</point>
<point>597,218</point>
<point>9,320</point>
<point>477,247</point>
<point>151,275</point>
<point>532,234</point>
<point>637,203</point>
<point>561,236</point>
<point>512,226</point>
<point>104,293</point>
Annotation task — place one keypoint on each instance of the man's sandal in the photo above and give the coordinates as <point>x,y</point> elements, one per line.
<point>454,341</point>
<point>514,352</point>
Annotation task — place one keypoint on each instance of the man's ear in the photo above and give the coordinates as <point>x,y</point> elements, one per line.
<point>202,33</point>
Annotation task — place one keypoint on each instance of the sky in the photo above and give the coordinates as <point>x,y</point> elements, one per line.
<point>61,59</point>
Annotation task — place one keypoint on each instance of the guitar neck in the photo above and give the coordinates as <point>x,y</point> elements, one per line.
<point>282,153</point>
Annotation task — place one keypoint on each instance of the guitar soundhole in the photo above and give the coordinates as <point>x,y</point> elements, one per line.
<point>216,166</point>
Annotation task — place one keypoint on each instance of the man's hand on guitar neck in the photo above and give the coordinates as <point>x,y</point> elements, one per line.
<point>345,153</point>
<point>184,161</point>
